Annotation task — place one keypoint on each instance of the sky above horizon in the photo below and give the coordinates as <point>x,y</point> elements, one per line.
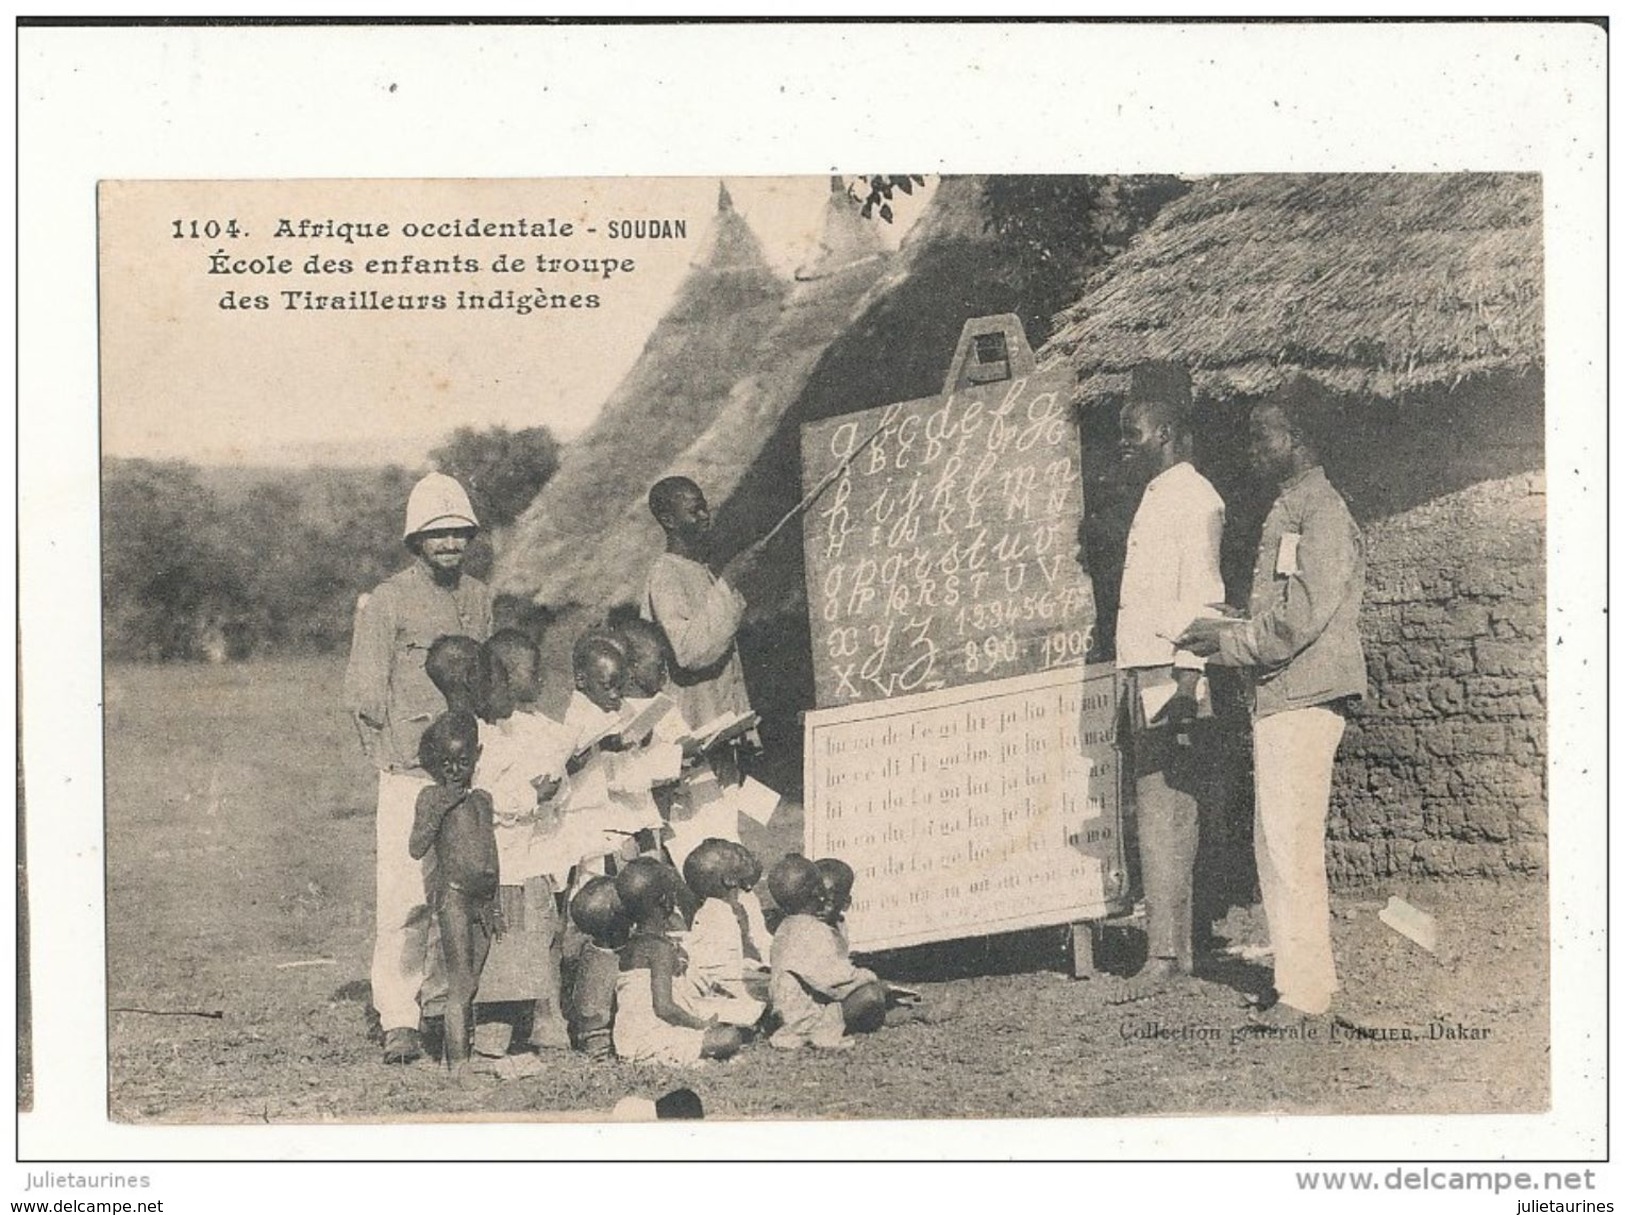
<point>184,377</point>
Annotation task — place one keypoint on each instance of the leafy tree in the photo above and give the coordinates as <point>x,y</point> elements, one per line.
<point>875,191</point>
<point>169,577</point>
<point>1061,229</point>
<point>502,469</point>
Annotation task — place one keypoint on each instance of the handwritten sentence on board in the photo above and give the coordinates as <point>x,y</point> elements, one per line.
<point>946,549</point>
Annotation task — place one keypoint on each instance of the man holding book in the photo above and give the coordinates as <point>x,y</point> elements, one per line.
<point>1170,577</point>
<point>1300,641</point>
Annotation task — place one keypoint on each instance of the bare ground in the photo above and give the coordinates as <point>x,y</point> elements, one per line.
<point>239,831</point>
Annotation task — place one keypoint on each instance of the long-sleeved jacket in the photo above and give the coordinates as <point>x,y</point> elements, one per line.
<point>699,614</point>
<point>385,685</point>
<point>1302,635</point>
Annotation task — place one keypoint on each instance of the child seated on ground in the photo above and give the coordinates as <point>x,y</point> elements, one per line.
<point>650,1025</point>
<point>522,761</point>
<point>597,912</point>
<point>815,989</point>
<point>455,820</point>
<point>838,882</point>
<point>716,942</point>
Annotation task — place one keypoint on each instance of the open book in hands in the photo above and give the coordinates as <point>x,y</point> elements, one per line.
<point>724,728</point>
<point>628,729</point>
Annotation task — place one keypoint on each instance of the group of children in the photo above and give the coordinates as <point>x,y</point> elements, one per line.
<point>568,849</point>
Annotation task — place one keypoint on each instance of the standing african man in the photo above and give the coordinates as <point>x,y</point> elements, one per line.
<point>389,692</point>
<point>699,612</point>
<point>1300,639</point>
<point>1170,577</point>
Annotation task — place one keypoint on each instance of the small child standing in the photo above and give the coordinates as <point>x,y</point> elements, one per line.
<point>597,912</point>
<point>456,821</point>
<point>589,815</point>
<point>522,760</point>
<point>650,1025</point>
<point>815,989</point>
<point>716,942</point>
<point>644,777</point>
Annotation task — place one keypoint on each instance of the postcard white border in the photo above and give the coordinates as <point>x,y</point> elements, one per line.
<point>584,100</point>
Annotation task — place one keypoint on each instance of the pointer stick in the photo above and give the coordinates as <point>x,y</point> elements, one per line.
<point>829,479</point>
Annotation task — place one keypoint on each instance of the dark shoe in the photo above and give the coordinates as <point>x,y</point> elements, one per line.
<point>1282,1017</point>
<point>402,1046</point>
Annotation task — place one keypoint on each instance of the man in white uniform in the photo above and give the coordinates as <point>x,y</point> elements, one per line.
<point>1170,577</point>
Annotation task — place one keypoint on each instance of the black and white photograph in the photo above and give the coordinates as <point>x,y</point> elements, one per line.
<point>1048,645</point>
<point>751,643</point>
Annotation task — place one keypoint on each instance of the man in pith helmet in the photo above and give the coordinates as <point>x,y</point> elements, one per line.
<point>393,701</point>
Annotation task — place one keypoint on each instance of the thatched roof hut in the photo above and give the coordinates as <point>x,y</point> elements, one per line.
<point>710,337</point>
<point>950,267</point>
<point>1416,301</point>
<point>1376,284</point>
<point>590,541</point>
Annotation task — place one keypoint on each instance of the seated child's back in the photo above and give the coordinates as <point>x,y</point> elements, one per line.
<point>815,988</point>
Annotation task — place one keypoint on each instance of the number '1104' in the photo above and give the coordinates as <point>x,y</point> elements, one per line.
<point>203,229</point>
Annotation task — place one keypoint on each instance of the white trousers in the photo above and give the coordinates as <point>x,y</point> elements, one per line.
<point>1292,772</point>
<point>406,952</point>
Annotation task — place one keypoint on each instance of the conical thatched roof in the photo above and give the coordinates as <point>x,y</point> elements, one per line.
<point>604,558</point>
<point>1378,284</point>
<point>949,268</point>
<point>710,336</point>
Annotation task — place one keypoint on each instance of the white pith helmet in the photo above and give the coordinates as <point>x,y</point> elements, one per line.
<point>437,501</point>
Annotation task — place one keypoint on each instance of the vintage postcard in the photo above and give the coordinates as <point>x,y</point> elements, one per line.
<point>823,647</point>
<point>937,644</point>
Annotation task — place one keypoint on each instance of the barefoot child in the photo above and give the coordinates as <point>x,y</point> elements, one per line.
<point>455,820</point>
<point>815,989</point>
<point>597,912</point>
<point>650,1025</point>
<point>522,760</point>
<point>716,943</point>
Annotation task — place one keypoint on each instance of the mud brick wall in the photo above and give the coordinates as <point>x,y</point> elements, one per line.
<point>1443,772</point>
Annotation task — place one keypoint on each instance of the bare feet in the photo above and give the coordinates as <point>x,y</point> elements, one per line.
<point>1157,977</point>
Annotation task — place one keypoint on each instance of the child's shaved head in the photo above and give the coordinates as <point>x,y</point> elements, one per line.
<point>645,647</point>
<point>796,886</point>
<point>448,748</point>
<point>712,869</point>
<point>646,888</point>
<point>600,669</point>
<point>520,661</point>
<point>838,880</point>
<point>456,665</point>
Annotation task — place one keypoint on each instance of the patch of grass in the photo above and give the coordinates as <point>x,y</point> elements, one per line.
<point>239,837</point>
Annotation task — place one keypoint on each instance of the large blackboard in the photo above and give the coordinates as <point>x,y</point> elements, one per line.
<point>946,551</point>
